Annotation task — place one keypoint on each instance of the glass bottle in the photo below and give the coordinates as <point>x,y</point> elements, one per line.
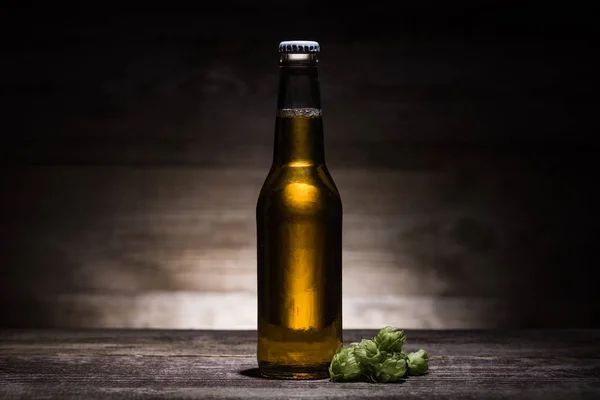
<point>299,232</point>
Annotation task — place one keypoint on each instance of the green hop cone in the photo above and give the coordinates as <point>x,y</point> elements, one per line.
<point>418,362</point>
<point>391,369</point>
<point>367,352</point>
<point>390,339</point>
<point>369,357</point>
<point>344,366</point>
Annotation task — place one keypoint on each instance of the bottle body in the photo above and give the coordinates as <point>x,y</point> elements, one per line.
<point>299,238</point>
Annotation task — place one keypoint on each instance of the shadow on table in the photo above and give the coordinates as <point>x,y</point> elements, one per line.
<point>255,373</point>
<point>251,373</point>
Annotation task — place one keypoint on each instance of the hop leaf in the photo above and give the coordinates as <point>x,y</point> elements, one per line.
<point>418,362</point>
<point>344,366</point>
<point>391,369</point>
<point>390,339</point>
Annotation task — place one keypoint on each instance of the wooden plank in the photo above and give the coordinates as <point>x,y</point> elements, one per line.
<point>126,377</point>
<point>166,246</point>
<point>194,99</point>
<point>175,218</point>
<point>184,364</point>
<point>234,310</point>
<point>206,310</point>
<point>528,343</point>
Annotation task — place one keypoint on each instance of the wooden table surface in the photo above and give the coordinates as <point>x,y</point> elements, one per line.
<point>544,364</point>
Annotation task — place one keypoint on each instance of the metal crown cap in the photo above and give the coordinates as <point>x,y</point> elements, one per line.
<point>299,46</point>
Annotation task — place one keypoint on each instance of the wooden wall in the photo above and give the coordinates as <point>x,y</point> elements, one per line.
<point>140,143</point>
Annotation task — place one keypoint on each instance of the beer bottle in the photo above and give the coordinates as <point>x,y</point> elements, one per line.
<point>299,232</point>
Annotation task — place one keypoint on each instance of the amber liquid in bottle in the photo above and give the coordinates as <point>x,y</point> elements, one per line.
<point>299,236</point>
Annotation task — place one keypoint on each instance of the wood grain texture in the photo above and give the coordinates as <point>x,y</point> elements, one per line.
<point>169,247</point>
<point>548,364</point>
<point>459,137</point>
<point>201,89</point>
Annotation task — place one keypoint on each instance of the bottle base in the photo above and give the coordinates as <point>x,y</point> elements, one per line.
<point>276,371</point>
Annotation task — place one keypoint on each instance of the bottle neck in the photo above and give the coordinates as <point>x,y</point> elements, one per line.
<point>299,126</point>
<point>299,82</point>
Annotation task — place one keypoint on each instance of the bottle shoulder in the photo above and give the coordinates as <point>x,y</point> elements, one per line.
<point>304,189</point>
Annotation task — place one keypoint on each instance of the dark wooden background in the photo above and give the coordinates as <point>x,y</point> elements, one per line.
<point>460,137</point>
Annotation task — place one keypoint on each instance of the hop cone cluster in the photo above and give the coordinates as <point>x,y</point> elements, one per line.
<point>380,359</point>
